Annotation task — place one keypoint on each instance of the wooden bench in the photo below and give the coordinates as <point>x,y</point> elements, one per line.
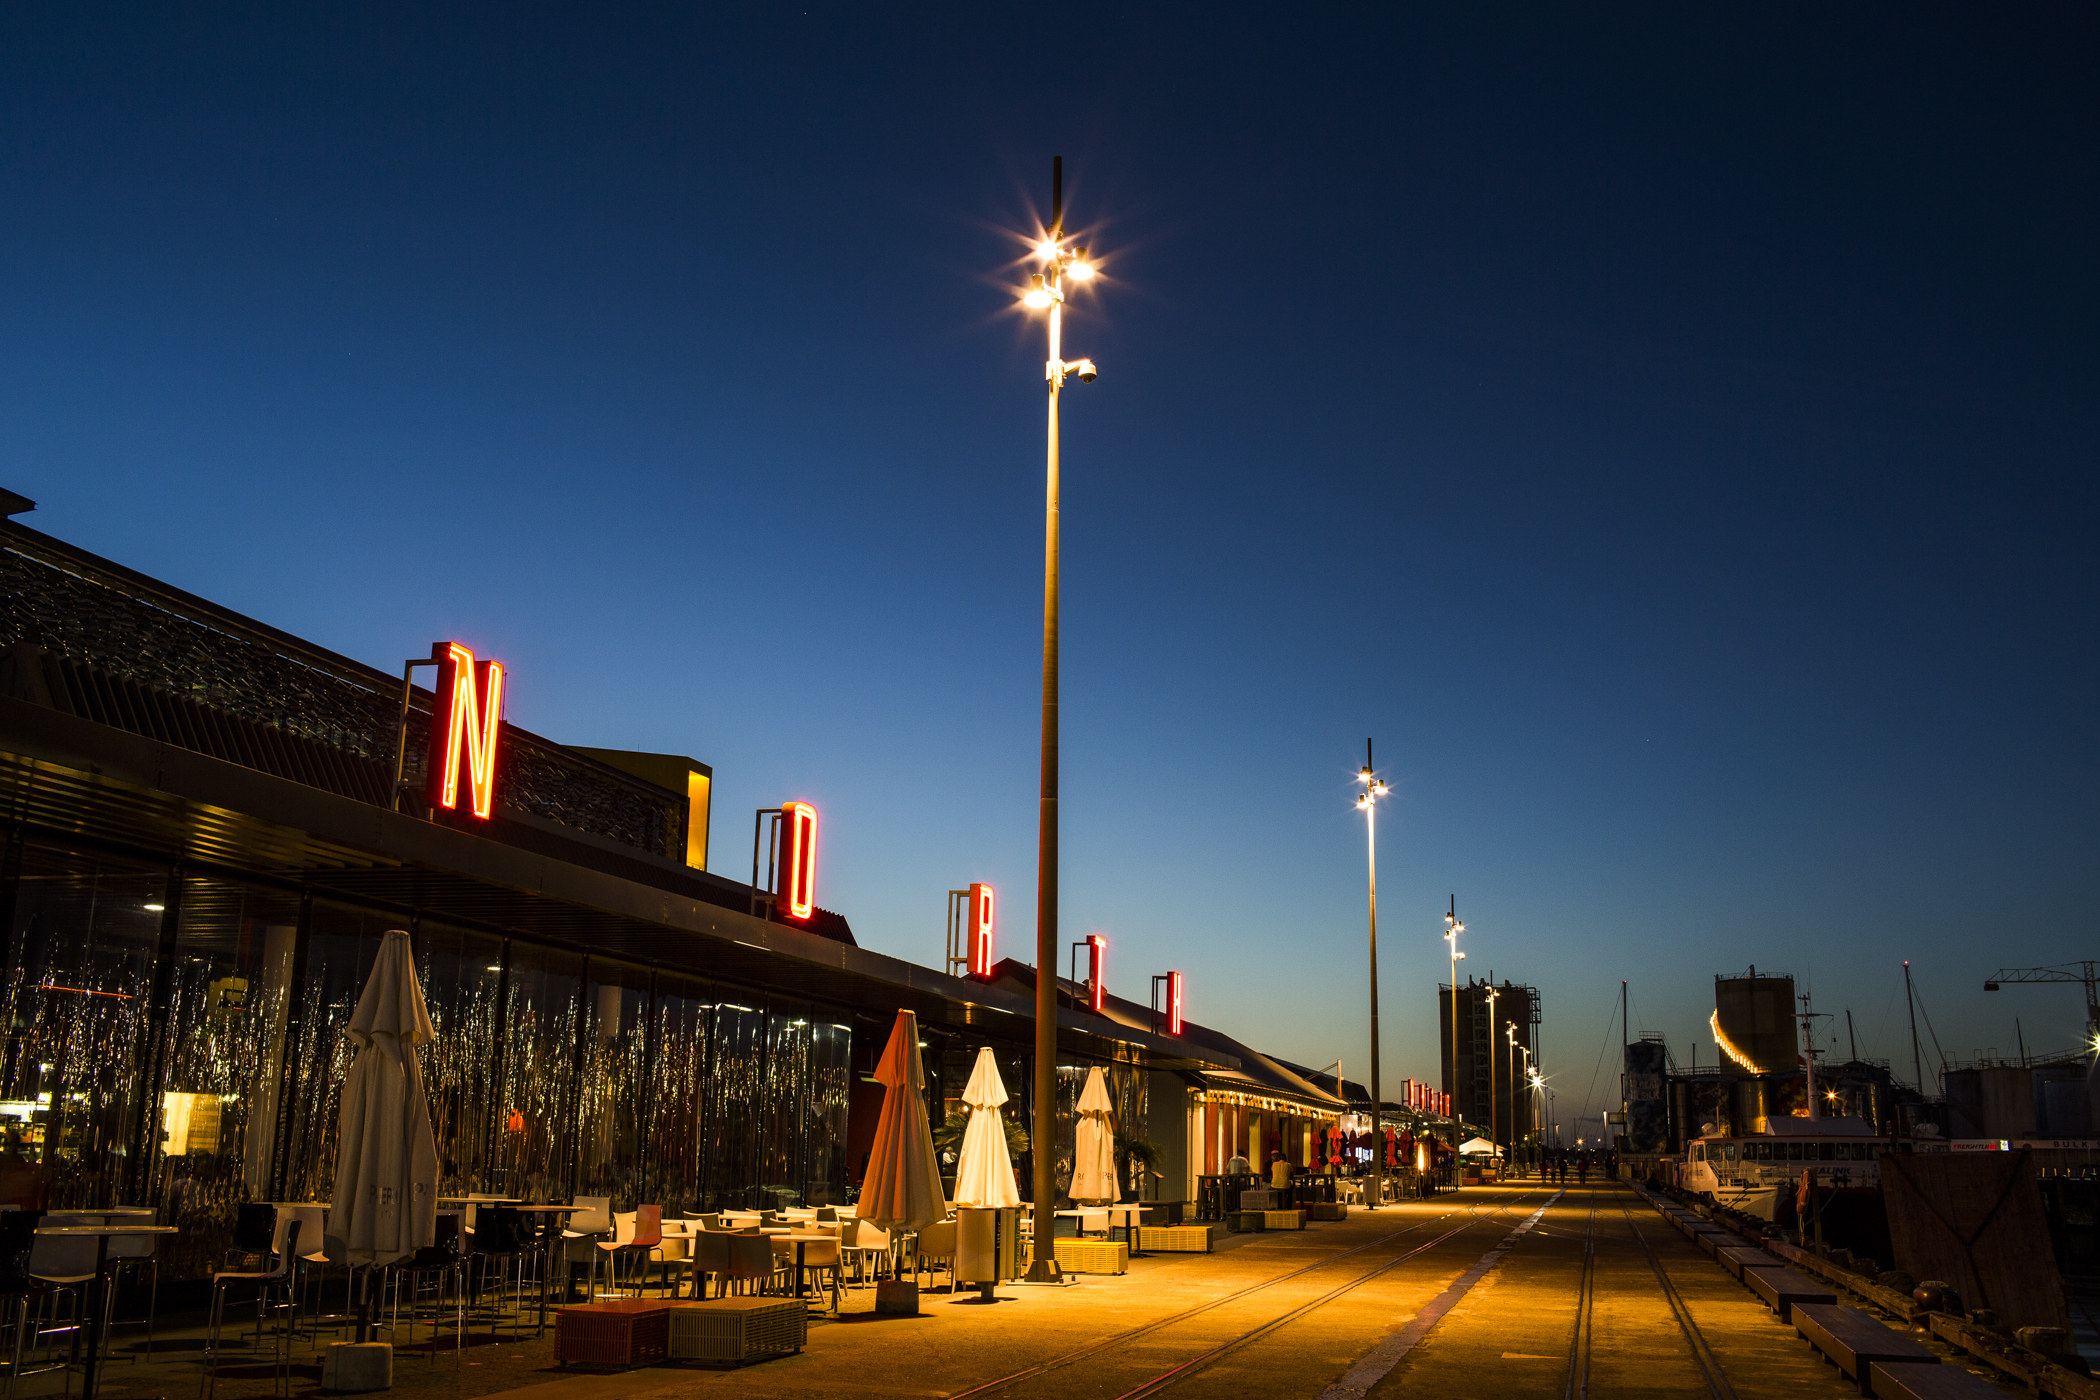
<point>1781,1288</point>
<point>1904,1381</point>
<point>1854,1341</point>
<point>1737,1258</point>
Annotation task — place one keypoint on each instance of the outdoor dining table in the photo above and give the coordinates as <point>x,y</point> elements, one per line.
<point>98,1304</point>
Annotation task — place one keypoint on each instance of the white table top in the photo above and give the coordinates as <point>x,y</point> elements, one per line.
<point>105,1229</point>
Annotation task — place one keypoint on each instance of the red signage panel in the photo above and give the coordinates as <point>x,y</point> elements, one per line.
<point>465,719</point>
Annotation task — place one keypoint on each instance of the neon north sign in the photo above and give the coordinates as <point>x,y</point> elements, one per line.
<point>981,904</point>
<point>465,719</point>
<point>1096,970</point>
<point>797,878</point>
<point>1173,1003</point>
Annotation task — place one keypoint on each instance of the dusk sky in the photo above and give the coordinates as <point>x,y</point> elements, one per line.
<point>1672,434</point>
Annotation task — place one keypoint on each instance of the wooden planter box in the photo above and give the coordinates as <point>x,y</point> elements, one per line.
<point>1093,1256</point>
<point>737,1330</point>
<point>1330,1210</point>
<point>1242,1221</point>
<point>1283,1220</point>
<point>629,1332</point>
<point>1175,1239</point>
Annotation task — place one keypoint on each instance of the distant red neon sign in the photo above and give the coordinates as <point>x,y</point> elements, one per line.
<point>1173,1003</point>
<point>1096,969</point>
<point>464,722</point>
<point>798,860</point>
<point>981,930</point>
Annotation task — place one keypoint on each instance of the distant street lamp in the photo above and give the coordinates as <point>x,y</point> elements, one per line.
<point>1452,929</point>
<point>1511,1027</point>
<point>1494,1126</point>
<point>1368,801</point>
<point>1046,292</point>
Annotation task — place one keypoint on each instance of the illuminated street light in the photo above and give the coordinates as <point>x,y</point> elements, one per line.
<point>1046,292</point>
<point>1367,801</point>
<point>1452,929</point>
<point>1492,1125</point>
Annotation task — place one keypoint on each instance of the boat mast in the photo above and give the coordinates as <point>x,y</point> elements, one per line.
<point>1917,1061</point>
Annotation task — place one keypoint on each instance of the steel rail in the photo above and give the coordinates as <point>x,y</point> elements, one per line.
<point>1182,1371</point>
<point>1717,1384</point>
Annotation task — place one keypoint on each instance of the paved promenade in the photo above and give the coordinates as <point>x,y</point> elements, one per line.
<point>1503,1292</point>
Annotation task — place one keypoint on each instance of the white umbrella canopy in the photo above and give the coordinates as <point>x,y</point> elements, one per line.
<point>1094,1155</point>
<point>902,1190</point>
<point>984,1174</point>
<point>386,1170</point>
<point>1476,1147</point>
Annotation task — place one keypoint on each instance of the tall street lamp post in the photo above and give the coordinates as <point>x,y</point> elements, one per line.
<point>1511,1028</point>
<point>1494,1128</point>
<point>1368,801</point>
<point>1452,929</point>
<point>1062,265</point>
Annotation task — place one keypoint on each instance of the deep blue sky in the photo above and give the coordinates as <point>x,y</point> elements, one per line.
<point>1672,434</point>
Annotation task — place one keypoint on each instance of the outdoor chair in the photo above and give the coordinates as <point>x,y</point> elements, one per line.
<point>254,1232</point>
<point>750,1261</point>
<point>710,1258</point>
<point>868,1246</point>
<point>819,1257</point>
<point>936,1246</point>
<point>827,1215</point>
<point>591,1223</point>
<point>670,1255</point>
<point>277,1279</point>
<point>635,1235</point>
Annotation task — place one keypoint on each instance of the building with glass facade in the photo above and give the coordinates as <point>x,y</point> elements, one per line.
<point>209,823</point>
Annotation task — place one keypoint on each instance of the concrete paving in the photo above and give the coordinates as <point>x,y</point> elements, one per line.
<point>1504,1291</point>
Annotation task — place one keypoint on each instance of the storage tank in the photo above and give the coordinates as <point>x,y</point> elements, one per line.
<point>1754,1019</point>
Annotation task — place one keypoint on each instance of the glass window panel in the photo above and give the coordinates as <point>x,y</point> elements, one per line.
<point>831,1060</point>
<point>462,973</point>
<point>535,1153</point>
<point>784,1107</point>
<point>342,943</point>
<point>679,1089</point>
<point>612,1095</point>
<point>736,1060</point>
<point>79,976</point>
<point>214,1137</point>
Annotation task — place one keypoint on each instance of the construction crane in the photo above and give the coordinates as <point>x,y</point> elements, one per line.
<point>2068,972</point>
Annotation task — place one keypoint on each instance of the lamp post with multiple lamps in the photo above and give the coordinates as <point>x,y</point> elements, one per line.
<point>1493,1128</point>
<point>1368,801</point>
<point>1514,1082</point>
<point>1452,929</point>
<point>1062,265</point>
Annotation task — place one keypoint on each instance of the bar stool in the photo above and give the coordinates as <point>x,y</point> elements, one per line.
<point>274,1279</point>
<point>17,1242</point>
<point>498,1235</point>
<point>441,1257</point>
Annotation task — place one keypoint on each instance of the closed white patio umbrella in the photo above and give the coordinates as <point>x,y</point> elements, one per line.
<point>984,1174</point>
<point>1094,1150</point>
<point>385,1198</point>
<point>902,1190</point>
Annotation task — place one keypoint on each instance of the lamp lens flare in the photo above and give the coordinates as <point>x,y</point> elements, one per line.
<point>1081,271</point>
<point>1037,300</point>
<point>1046,249</point>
